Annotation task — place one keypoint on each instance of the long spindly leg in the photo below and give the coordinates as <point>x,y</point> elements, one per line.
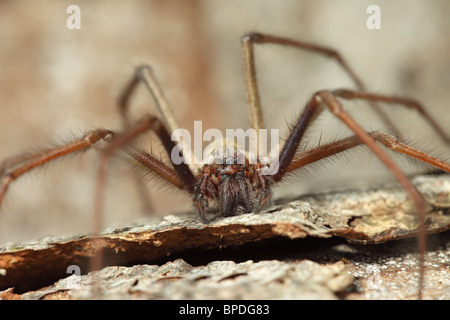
<point>256,119</point>
<point>144,74</point>
<point>409,103</point>
<point>248,58</point>
<point>328,150</point>
<point>156,167</point>
<point>313,107</point>
<point>13,168</point>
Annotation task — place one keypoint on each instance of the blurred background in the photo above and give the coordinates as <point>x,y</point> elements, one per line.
<point>57,83</point>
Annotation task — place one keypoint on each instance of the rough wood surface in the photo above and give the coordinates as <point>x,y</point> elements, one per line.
<point>218,280</point>
<point>363,218</point>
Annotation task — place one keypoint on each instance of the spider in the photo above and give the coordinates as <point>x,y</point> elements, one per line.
<point>234,186</point>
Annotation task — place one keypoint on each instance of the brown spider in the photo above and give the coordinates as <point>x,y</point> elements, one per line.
<point>242,186</point>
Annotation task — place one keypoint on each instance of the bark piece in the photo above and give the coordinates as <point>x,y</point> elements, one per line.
<point>370,216</point>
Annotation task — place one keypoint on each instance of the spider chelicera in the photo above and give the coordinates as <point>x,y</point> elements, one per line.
<point>242,187</point>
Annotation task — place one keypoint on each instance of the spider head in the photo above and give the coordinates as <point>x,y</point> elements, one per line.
<point>234,183</point>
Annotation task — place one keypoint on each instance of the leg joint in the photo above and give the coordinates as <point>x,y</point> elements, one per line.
<point>141,69</point>
<point>329,99</point>
<point>94,136</point>
<point>385,139</point>
<point>252,37</point>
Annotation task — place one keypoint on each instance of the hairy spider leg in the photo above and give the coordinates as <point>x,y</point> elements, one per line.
<point>148,123</point>
<point>310,112</point>
<point>144,75</point>
<point>13,168</point>
<point>305,158</point>
<point>406,102</point>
